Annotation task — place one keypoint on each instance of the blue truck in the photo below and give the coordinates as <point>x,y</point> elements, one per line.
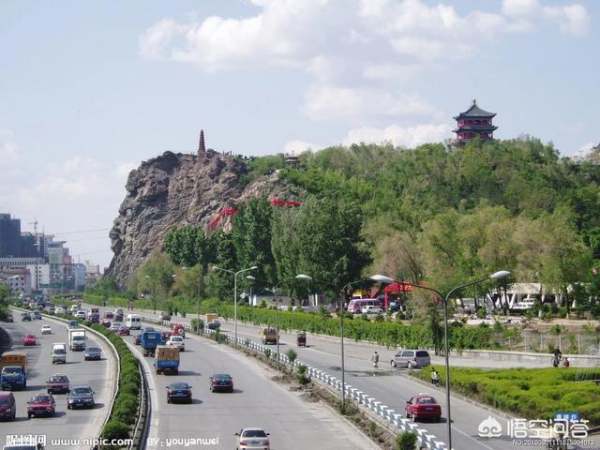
<point>149,340</point>
<point>167,360</point>
<point>13,378</point>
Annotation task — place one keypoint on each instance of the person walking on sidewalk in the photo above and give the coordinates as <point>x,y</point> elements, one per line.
<point>435,377</point>
<point>375,360</point>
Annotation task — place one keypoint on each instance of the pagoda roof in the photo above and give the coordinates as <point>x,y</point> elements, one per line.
<point>475,111</point>
<point>476,128</point>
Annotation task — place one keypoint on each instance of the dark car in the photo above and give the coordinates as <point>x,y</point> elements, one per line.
<point>8,407</point>
<point>214,325</point>
<point>423,406</point>
<point>9,318</point>
<point>37,315</point>
<point>81,397</point>
<point>179,392</point>
<point>123,331</point>
<point>106,323</point>
<point>92,354</point>
<point>73,324</point>
<point>26,317</point>
<point>221,382</point>
<point>138,339</point>
<point>57,384</point>
<point>41,405</point>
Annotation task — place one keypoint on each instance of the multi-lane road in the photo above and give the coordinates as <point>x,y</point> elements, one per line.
<point>258,401</point>
<point>74,426</point>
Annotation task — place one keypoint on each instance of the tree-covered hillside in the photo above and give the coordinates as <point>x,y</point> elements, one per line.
<point>435,214</point>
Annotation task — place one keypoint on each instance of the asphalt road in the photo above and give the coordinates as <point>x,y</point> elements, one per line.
<point>73,425</point>
<point>256,402</point>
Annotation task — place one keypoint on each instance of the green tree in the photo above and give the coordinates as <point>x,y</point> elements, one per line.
<point>155,276</point>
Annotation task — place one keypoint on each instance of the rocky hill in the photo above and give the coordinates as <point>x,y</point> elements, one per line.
<point>177,189</point>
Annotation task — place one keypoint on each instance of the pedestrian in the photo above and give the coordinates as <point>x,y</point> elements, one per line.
<point>375,360</point>
<point>435,377</point>
<point>566,362</point>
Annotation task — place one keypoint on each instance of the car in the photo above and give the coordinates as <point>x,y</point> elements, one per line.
<point>41,405</point>
<point>46,329</point>
<point>123,331</point>
<point>81,397</point>
<point>26,317</point>
<point>220,382</point>
<point>92,353</point>
<point>177,342</point>
<point>423,406</point>
<point>8,406</point>
<point>137,340</point>
<point>73,324</point>
<point>79,314</point>
<point>59,310</point>
<point>9,318</point>
<point>371,309</point>
<point>214,325</point>
<point>50,309</point>
<point>106,323</point>
<point>29,340</point>
<point>114,326</point>
<point>165,316</point>
<point>165,336</point>
<point>57,384</point>
<point>179,392</point>
<point>37,315</point>
<point>412,359</point>
<point>109,315</point>
<point>253,438</point>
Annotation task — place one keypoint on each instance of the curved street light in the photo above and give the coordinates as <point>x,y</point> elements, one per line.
<point>495,276</point>
<point>235,275</point>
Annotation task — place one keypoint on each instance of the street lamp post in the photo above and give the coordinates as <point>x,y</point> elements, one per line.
<point>235,275</point>
<point>495,276</point>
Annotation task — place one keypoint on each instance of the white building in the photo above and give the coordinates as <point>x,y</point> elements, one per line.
<point>40,275</point>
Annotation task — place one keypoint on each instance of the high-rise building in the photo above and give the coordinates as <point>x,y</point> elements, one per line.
<point>10,236</point>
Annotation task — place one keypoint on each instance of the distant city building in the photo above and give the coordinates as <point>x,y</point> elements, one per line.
<point>40,276</point>
<point>17,279</point>
<point>79,276</point>
<point>10,236</point>
<point>473,123</point>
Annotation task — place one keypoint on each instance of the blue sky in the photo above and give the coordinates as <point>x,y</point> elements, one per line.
<point>90,89</point>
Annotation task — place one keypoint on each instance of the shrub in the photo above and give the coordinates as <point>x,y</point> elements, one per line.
<point>115,430</point>
<point>292,355</point>
<point>301,375</point>
<point>407,440</point>
<point>267,353</point>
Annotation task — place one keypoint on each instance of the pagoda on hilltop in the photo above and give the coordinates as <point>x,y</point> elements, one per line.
<point>474,122</point>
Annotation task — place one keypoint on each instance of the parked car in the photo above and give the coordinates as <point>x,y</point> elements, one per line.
<point>114,326</point>
<point>253,438</point>
<point>106,323</point>
<point>92,353</point>
<point>73,324</point>
<point>26,317</point>
<point>60,310</point>
<point>177,342</point>
<point>80,314</point>
<point>8,406</point>
<point>412,359</point>
<point>58,384</point>
<point>220,382</point>
<point>371,309</point>
<point>46,329</point>
<point>41,405</point>
<point>37,315</point>
<point>123,331</point>
<point>109,315</point>
<point>177,392</point>
<point>29,340</point>
<point>423,406</point>
<point>81,397</point>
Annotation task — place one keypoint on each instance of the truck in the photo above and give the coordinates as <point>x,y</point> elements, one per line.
<point>59,353</point>
<point>76,339</point>
<point>149,340</point>
<point>269,335</point>
<point>211,320</point>
<point>167,360</point>
<point>13,373</point>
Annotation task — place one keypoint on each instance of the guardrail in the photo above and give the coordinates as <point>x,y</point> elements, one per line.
<point>113,349</point>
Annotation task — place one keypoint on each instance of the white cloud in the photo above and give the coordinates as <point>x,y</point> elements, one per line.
<point>572,19</point>
<point>8,148</point>
<point>329,101</point>
<point>399,136</point>
<point>520,8</point>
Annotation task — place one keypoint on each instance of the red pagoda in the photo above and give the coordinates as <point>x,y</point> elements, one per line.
<point>474,122</point>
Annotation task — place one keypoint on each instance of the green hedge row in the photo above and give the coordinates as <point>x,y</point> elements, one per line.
<point>530,393</point>
<point>392,334</point>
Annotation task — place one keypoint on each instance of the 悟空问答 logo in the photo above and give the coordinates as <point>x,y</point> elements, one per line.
<point>489,428</point>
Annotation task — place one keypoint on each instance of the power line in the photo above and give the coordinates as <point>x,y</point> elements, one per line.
<point>81,231</point>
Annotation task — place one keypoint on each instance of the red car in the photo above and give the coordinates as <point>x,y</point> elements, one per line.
<point>29,340</point>
<point>423,406</point>
<point>123,331</point>
<point>57,384</point>
<point>220,382</point>
<point>41,405</point>
<point>109,315</point>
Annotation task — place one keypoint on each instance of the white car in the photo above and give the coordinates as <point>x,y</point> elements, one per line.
<point>60,310</point>
<point>80,314</point>
<point>253,439</point>
<point>177,342</point>
<point>370,309</point>
<point>46,329</point>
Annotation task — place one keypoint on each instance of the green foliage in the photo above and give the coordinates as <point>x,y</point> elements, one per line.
<point>292,355</point>
<point>4,297</point>
<point>115,429</point>
<point>301,376</point>
<point>406,440</point>
<point>530,393</point>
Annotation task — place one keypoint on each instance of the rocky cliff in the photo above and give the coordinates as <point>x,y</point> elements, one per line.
<point>178,189</point>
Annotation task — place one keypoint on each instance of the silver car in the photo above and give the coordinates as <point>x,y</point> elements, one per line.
<point>253,439</point>
<point>412,359</point>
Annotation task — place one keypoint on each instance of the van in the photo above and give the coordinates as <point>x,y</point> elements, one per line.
<point>8,407</point>
<point>133,322</point>
<point>59,353</point>
<point>411,358</point>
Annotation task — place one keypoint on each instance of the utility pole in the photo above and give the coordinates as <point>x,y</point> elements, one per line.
<point>37,245</point>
